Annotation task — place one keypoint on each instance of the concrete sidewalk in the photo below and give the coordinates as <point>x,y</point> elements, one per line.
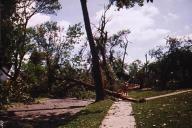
<point>119,116</point>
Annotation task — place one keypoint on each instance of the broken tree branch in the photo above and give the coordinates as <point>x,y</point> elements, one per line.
<point>92,88</point>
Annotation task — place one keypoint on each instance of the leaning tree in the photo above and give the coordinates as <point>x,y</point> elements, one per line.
<point>96,71</point>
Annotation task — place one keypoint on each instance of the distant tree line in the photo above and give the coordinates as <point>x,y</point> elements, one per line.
<point>171,68</point>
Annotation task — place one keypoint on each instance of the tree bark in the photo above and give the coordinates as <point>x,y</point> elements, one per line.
<point>96,71</point>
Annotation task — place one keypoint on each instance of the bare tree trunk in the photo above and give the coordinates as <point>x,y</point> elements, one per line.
<point>96,71</point>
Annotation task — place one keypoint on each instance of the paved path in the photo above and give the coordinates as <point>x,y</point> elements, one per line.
<point>169,94</point>
<point>119,116</point>
<point>49,113</point>
<point>49,107</point>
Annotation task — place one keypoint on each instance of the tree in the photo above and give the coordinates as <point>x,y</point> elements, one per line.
<point>101,40</point>
<point>118,44</point>
<point>122,39</point>
<point>134,68</point>
<point>57,46</point>
<point>6,10</point>
<point>96,70</point>
<point>95,58</point>
<point>128,3</point>
<point>17,39</point>
<point>171,68</point>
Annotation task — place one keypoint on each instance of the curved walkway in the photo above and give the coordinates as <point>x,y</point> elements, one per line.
<point>119,116</point>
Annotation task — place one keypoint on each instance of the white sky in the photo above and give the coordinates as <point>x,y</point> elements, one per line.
<point>149,25</point>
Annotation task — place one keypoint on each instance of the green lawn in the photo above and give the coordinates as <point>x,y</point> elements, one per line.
<point>91,117</point>
<point>169,112</point>
<point>149,93</point>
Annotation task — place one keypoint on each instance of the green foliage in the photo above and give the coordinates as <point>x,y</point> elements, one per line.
<point>117,67</point>
<point>11,93</point>
<point>17,42</point>
<point>4,94</point>
<point>134,67</point>
<point>91,117</point>
<point>51,58</point>
<point>47,6</point>
<point>34,77</point>
<point>127,3</point>
<point>74,31</point>
<point>80,93</point>
<point>171,112</point>
<point>14,28</point>
<point>172,68</point>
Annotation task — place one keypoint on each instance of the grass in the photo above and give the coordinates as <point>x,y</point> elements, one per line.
<point>91,116</point>
<point>169,112</point>
<point>148,93</point>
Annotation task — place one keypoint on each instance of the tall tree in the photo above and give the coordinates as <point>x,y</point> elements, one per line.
<point>96,71</point>
<point>56,46</point>
<point>17,38</point>
<point>101,40</point>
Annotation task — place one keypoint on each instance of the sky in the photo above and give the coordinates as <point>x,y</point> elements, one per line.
<point>149,25</point>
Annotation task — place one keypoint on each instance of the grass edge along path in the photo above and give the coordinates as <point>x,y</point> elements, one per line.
<point>169,112</point>
<point>91,116</point>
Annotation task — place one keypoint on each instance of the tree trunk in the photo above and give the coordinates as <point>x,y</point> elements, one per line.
<point>108,72</point>
<point>91,87</point>
<point>96,71</point>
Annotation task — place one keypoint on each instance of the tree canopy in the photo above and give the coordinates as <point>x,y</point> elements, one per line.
<point>128,3</point>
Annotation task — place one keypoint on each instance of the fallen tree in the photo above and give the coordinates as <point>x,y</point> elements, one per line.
<point>92,88</point>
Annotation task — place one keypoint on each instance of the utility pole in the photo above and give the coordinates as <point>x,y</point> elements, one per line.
<point>146,63</point>
<point>146,70</point>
